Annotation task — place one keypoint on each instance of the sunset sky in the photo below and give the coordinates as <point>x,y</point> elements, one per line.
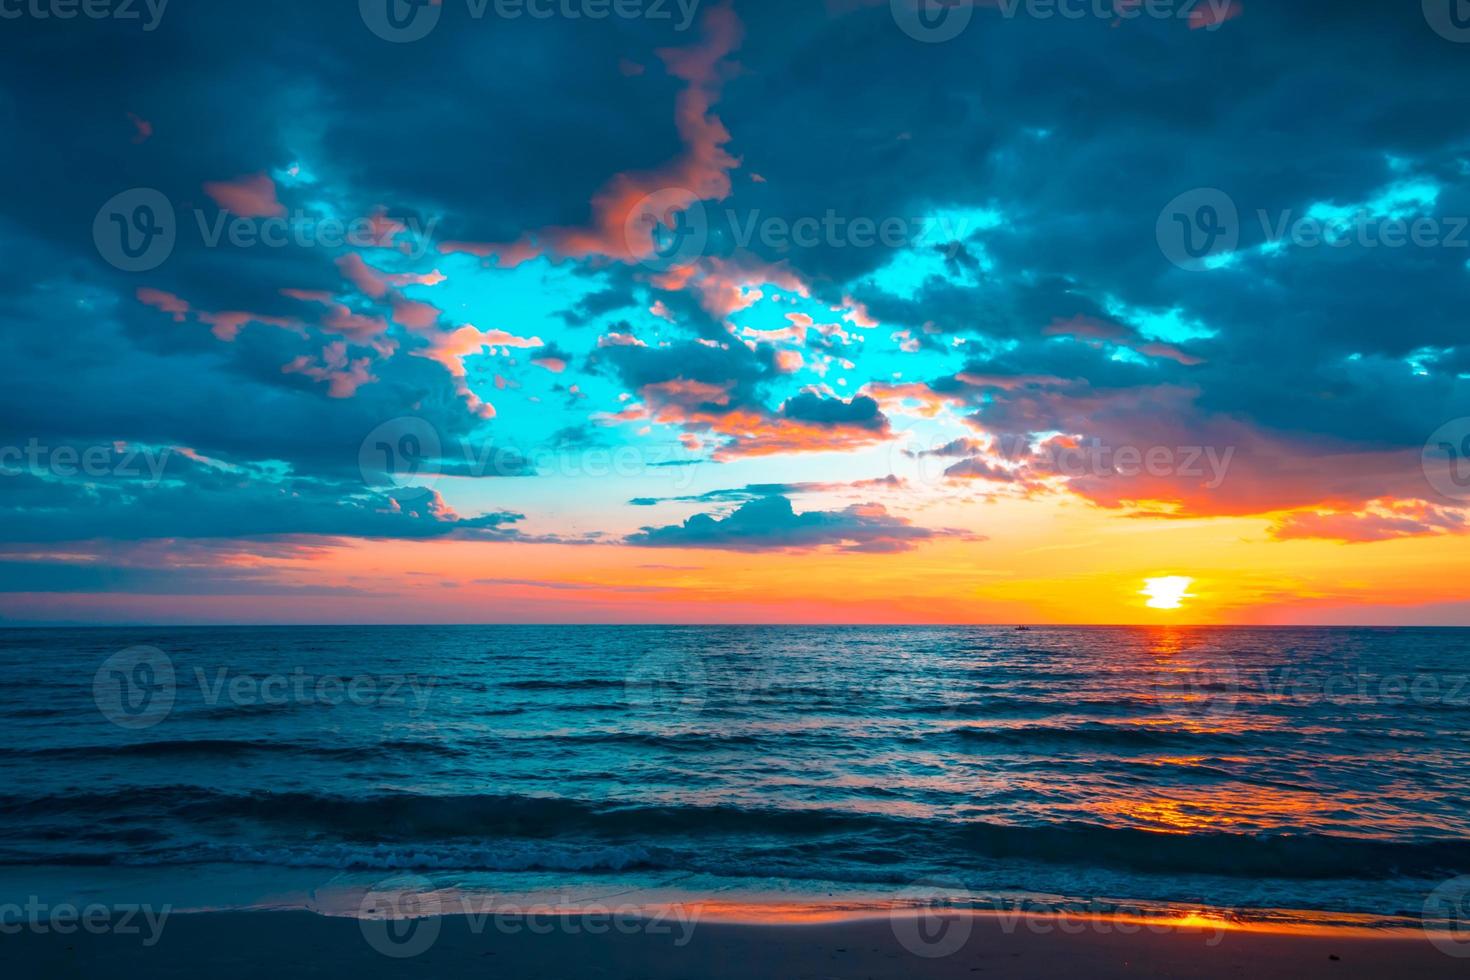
<point>736,313</point>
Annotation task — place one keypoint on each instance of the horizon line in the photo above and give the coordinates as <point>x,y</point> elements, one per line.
<point>1015,627</point>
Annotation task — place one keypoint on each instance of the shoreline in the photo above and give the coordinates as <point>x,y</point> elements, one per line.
<point>214,889</point>
<point>288,944</point>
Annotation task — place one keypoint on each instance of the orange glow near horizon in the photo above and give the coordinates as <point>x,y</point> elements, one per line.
<point>1041,562</point>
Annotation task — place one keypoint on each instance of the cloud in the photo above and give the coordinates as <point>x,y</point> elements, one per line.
<point>699,172</point>
<point>202,500</point>
<point>100,576</point>
<point>755,491</point>
<point>859,411</point>
<point>770,523</point>
<point>1382,521</point>
<point>562,586</point>
<point>253,196</point>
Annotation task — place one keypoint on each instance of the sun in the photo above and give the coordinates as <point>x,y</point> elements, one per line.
<point>1168,592</point>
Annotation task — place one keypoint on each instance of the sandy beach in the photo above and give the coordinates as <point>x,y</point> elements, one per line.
<point>283,945</point>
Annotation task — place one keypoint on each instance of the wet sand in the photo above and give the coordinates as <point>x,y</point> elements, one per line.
<point>281,945</point>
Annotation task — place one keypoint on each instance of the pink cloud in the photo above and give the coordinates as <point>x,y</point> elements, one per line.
<point>727,286</point>
<point>252,196</point>
<point>789,361</point>
<point>142,128</point>
<point>508,255</point>
<point>1170,352</point>
<point>167,302</point>
<point>342,374</point>
<point>339,318</point>
<point>615,339</point>
<point>369,281</point>
<point>413,314</point>
<point>225,325</point>
<point>687,393</point>
<point>911,398</point>
<point>857,313</point>
<point>1209,15</point>
<point>377,284</point>
<point>702,409</point>
<point>453,349</point>
<point>1382,520</point>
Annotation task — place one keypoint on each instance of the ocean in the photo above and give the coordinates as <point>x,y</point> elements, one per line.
<point>1256,774</point>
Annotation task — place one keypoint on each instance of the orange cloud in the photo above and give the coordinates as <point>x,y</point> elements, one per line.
<point>1382,520</point>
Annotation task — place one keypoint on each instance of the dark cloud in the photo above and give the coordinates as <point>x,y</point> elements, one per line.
<point>1324,368</point>
<point>770,523</point>
<point>94,576</point>
<point>755,491</point>
<point>731,371</point>
<point>860,411</point>
<point>230,506</point>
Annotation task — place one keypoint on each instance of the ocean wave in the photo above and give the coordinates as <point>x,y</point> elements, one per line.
<point>428,824</point>
<point>580,684</point>
<point>31,712</point>
<point>232,711</point>
<point>1093,734</point>
<point>173,748</point>
<point>678,741</point>
<point>503,855</point>
<point>1013,706</point>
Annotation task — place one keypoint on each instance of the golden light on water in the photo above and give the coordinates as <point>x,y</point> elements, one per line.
<point>1168,592</point>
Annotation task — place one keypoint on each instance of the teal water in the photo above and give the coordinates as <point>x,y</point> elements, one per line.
<point>1248,770</point>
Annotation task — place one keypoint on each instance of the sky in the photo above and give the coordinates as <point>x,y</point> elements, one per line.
<point>842,311</point>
